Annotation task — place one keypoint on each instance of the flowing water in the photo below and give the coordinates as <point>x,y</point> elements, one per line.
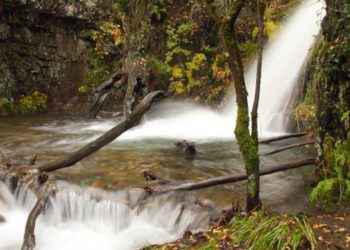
<point>76,219</point>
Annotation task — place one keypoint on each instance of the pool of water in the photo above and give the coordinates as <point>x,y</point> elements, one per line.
<point>121,164</point>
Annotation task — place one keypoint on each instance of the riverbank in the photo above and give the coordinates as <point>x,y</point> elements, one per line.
<point>326,230</point>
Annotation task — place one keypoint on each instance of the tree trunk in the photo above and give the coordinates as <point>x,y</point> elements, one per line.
<point>246,144</point>
<point>109,136</point>
<point>136,68</point>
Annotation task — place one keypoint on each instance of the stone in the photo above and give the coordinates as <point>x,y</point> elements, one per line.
<point>2,219</point>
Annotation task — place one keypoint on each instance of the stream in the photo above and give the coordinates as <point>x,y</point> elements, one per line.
<point>77,219</point>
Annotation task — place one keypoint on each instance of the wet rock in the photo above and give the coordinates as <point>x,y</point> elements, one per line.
<point>186,146</point>
<point>2,219</point>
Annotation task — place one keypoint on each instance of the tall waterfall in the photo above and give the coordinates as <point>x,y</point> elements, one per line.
<point>283,59</point>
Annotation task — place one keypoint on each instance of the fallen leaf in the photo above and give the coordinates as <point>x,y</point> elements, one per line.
<point>226,238</point>
<point>347,239</point>
<point>315,226</point>
<point>339,218</point>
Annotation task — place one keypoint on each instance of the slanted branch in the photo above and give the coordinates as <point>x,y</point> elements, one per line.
<point>233,178</point>
<point>104,90</point>
<point>294,145</point>
<point>282,137</point>
<point>133,120</point>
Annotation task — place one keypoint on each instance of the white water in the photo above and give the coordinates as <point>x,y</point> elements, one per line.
<point>77,221</point>
<point>283,60</point>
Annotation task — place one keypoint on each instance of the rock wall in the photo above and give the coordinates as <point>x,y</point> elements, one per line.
<point>44,46</point>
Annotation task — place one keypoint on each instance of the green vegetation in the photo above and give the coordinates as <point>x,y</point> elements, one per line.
<point>257,231</point>
<point>7,107</point>
<point>326,106</point>
<point>36,102</point>
<point>261,231</point>
<point>335,188</point>
<point>32,103</point>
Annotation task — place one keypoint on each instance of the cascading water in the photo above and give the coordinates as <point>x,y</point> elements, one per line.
<point>85,218</point>
<point>282,63</point>
<point>78,218</point>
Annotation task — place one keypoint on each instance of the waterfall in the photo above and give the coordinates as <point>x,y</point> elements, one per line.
<point>88,218</point>
<point>283,59</point>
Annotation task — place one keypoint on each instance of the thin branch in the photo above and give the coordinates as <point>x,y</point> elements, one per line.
<point>282,137</point>
<point>254,114</point>
<point>294,145</point>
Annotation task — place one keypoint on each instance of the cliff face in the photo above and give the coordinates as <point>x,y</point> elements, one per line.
<point>44,46</point>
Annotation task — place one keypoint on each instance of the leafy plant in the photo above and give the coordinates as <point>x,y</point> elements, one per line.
<point>335,188</point>
<point>35,102</point>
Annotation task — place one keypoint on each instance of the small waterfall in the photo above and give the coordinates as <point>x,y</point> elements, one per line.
<point>88,218</point>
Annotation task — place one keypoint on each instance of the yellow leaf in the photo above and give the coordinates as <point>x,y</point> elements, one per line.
<point>177,72</point>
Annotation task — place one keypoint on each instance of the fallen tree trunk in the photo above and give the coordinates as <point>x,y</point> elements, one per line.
<point>233,178</point>
<point>109,136</point>
<point>294,145</point>
<point>282,137</point>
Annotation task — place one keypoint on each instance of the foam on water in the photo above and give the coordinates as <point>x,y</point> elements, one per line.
<point>85,218</point>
